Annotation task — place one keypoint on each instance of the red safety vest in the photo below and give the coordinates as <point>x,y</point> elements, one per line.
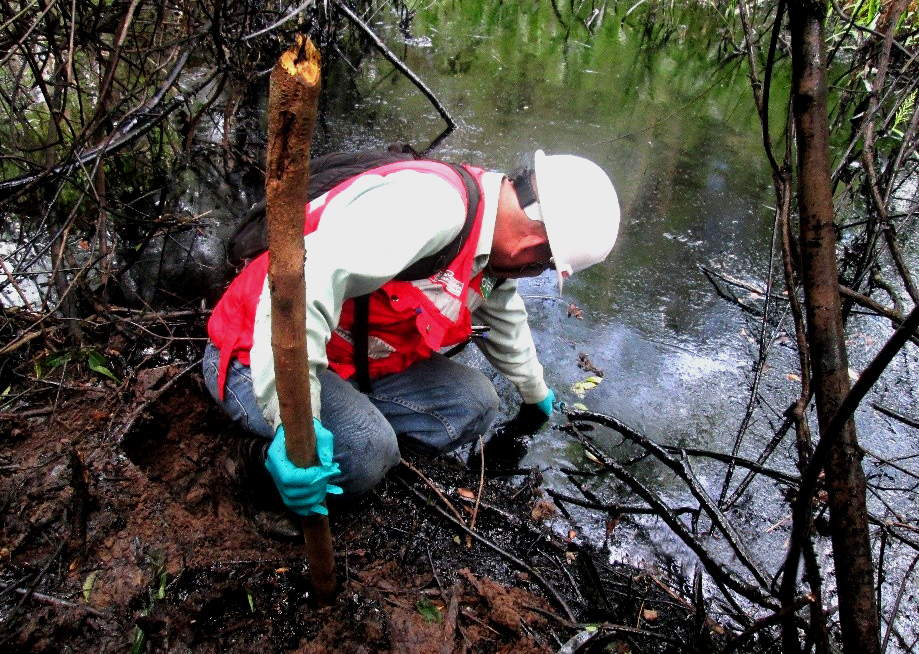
<point>409,320</point>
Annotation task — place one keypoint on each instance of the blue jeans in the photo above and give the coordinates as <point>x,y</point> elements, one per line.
<point>432,407</point>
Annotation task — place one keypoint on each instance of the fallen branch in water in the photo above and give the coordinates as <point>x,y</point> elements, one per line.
<point>906,420</point>
<point>684,471</point>
<point>718,572</point>
<point>614,508</point>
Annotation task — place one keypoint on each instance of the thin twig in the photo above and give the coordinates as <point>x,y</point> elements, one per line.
<point>478,495</point>
<point>60,602</point>
<point>614,508</point>
<point>767,621</point>
<point>549,588</point>
<point>896,604</point>
<point>9,275</point>
<point>279,22</point>
<point>906,420</point>
<point>434,488</point>
<point>685,472</point>
<point>395,61</point>
<point>155,396</point>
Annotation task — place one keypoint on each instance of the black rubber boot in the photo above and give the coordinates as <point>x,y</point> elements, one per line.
<point>260,497</point>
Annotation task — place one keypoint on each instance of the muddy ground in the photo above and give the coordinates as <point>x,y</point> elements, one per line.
<point>123,529</point>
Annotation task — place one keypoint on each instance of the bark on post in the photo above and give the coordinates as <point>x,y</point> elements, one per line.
<point>826,336</point>
<point>292,107</point>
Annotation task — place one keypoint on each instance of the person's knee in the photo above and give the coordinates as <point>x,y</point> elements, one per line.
<point>482,404</point>
<point>470,413</point>
<point>209,368</point>
<point>365,443</point>
<point>365,462</point>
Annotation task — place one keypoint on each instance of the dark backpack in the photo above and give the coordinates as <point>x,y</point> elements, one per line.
<point>250,238</point>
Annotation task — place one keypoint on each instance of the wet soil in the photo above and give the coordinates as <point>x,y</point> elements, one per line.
<point>126,527</point>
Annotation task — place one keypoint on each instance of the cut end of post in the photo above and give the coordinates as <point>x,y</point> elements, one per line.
<point>302,60</point>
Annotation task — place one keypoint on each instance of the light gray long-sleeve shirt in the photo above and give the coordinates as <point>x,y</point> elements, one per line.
<point>369,233</point>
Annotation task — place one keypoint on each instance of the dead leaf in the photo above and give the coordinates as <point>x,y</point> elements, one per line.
<point>584,363</point>
<point>465,492</point>
<point>650,615</point>
<point>574,312</point>
<point>572,534</point>
<point>592,457</point>
<point>793,377</point>
<point>581,387</point>
<point>542,510</point>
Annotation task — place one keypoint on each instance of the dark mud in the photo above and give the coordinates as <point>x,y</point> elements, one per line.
<point>123,529</point>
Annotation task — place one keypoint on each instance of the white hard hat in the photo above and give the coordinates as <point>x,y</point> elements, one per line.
<point>579,207</point>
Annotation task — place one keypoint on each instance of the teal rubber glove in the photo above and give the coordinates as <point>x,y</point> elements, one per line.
<point>304,489</point>
<point>547,406</point>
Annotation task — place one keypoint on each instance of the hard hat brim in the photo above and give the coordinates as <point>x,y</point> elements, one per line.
<point>539,170</point>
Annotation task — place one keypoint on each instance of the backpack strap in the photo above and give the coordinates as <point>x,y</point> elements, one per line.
<point>427,266</point>
<point>360,336</point>
<point>424,267</point>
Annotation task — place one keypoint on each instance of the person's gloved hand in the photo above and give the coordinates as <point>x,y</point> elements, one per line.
<point>508,442</point>
<point>532,417</point>
<point>304,489</point>
<point>547,406</point>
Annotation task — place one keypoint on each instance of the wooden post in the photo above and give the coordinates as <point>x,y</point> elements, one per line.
<point>292,107</point>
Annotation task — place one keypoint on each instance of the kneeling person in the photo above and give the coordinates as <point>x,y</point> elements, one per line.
<point>399,261</point>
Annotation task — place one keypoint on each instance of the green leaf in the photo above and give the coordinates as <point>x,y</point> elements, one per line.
<point>161,591</point>
<point>139,641</point>
<point>52,361</point>
<point>251,601</point>
<point>88,584</point>
<point>98,363</point>
<point>429,611</point>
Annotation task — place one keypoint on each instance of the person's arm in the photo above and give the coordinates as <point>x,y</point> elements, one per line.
<point>367,236</point>
<point>509,344</point>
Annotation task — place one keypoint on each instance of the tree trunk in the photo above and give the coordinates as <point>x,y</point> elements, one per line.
<point>292,108</point>
<point>826,337</point>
